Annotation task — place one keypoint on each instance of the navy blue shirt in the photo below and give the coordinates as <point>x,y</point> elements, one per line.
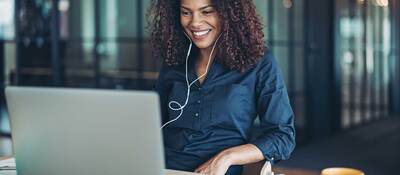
<point>221,111</point>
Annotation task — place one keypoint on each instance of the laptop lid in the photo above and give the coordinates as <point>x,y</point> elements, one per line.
<point>82,131</point>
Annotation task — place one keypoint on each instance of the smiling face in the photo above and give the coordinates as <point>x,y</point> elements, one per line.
<point>200,21</point>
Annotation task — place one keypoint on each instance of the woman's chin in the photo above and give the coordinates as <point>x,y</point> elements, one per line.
<point>203,45</point>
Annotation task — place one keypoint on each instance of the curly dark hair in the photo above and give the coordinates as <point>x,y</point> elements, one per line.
<point>240,46</point>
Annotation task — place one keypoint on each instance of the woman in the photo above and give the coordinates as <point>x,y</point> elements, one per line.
<point>217,77</point>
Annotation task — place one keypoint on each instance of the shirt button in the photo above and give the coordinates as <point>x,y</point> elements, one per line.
<point>199,88</point>
<point>199,101</point>
<point>197,114</point>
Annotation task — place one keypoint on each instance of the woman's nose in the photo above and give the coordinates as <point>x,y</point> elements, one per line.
<point>197,20</point>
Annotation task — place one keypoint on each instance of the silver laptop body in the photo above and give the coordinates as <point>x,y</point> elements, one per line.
<point>85,132</point>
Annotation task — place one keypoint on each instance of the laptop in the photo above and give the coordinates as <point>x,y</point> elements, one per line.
<point>61,131</point>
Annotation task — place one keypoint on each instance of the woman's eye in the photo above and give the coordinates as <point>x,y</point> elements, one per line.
<point>207,12</point>
<point>185,13</point>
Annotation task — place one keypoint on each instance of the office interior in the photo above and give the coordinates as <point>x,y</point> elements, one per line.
<point>340,60</point>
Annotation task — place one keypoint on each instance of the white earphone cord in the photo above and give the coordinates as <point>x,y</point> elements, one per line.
<point>181,107</point>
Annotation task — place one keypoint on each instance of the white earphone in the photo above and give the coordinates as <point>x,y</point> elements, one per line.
<point>181,107</point>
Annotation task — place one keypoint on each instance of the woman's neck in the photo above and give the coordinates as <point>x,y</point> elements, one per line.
<point>204,55</point>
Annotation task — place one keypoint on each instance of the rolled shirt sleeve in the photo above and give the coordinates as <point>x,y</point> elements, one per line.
<point>277,140</point>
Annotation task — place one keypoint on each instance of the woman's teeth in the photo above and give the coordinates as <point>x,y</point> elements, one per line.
<point>201,33</point>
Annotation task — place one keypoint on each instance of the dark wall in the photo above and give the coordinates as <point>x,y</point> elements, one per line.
<point>2,99</point>
<point>395,80</point>
<point>2,57</point>
<point>323,117</point>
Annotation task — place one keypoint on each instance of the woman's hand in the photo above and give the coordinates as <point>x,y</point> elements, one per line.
<point>217,165</point>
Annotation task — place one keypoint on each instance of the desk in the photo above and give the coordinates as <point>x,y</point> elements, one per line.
<point>167,171</point>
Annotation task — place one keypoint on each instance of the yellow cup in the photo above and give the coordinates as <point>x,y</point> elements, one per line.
<point>341,171</point>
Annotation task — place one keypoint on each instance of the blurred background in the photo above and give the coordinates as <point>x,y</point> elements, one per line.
<point>340,59</point>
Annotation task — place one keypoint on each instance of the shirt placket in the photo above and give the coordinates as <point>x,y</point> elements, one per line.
<point>197,114</point>
<point>200,114</point>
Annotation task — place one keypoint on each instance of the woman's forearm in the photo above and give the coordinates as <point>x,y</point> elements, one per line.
<point>243,154</point>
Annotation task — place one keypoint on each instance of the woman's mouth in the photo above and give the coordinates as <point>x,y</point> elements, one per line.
<point>200,34</point>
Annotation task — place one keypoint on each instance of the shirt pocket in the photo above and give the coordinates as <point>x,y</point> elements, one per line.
<point>231,105</point>
<point>178,94</point>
